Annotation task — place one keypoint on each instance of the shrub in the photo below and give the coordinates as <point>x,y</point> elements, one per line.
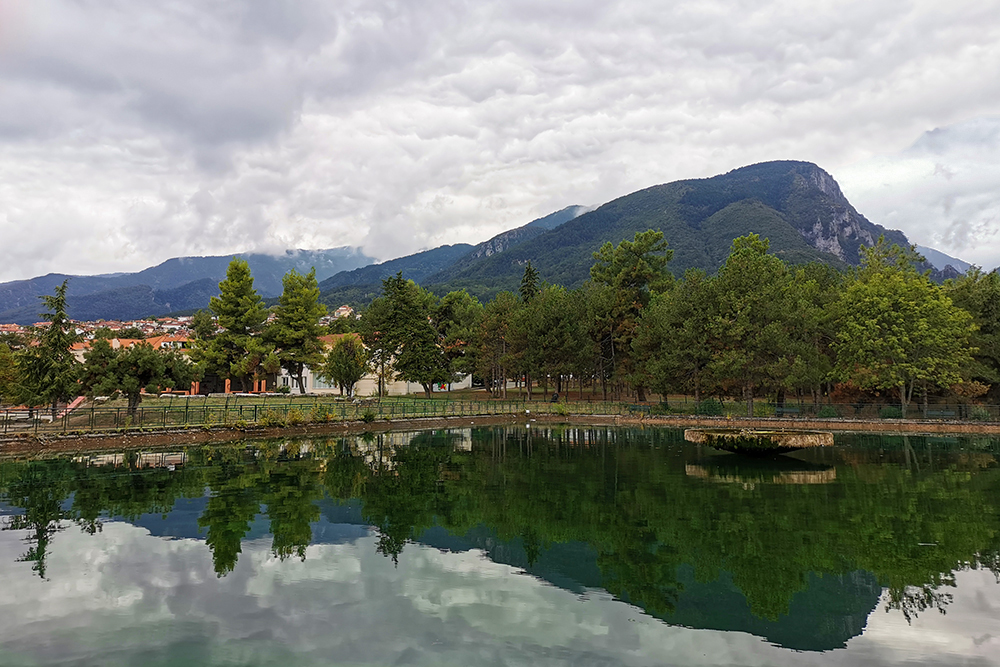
<point>890,412</point>
<point>562,409</point>
<point>284,389</point>
<point>763,410</point>
<point>980,414</point>
<point>368,416</point>
<point>294,417</point>
<point>271,418</point>
<point>827,411</point>
<point>710,407</point>
<point>320,414</point>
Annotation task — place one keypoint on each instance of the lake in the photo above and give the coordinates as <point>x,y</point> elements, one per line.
<point>505,546</point>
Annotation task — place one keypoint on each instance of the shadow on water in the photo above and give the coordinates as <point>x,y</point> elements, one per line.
<point>798,549</point>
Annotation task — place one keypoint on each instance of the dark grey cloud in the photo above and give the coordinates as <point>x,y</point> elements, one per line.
<point>131,132</point>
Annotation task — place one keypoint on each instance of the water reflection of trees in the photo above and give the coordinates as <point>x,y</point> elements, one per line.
<point>909,513</point>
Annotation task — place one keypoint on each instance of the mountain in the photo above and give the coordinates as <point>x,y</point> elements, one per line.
<point>177,284</point>
<point>941,261</point>
<point>360,286</point>
<point>414,267</point>
<point>797,205</point>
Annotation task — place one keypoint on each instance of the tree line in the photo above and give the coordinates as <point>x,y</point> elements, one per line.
<point>757,329</point>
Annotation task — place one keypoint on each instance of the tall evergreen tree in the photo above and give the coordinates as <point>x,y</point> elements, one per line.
<point>48,371</point>
<point>456,317</point>
<point>750,334</point>
<point>673,341</point>
<point>296,329</point>
<point>9,375</point>
<point>237,351</point>
<point>398,329</point>
<point>493,342</point>
<point>529,283</point>
<point>633,271</point>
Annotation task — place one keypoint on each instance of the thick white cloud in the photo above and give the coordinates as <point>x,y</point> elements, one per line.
<point>944,190</point>
<point>132,132</point>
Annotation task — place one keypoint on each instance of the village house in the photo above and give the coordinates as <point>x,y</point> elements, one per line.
<point>368,385</point>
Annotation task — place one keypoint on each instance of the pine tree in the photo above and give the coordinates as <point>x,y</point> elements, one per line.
<point>48,371</point>
<point>529,283</point>
<point>296,329</point>
<point>237,352</point>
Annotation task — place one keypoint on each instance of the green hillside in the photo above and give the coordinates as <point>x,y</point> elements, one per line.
<point>796,205</point>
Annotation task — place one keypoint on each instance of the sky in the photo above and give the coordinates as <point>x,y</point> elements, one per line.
<point>135,132</point>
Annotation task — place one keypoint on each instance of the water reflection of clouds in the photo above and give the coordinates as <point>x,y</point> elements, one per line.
<point>122,595</point>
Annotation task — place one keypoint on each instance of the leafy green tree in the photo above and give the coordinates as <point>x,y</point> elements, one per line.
<point>978,293</point>
<point>750,331</point>
<point>49,370</point>
<point>399,330</point>
<point>133,333</point>
<point>457,316</point>
<point>13,340</point>
<point>296,329</point>
<point>9,375</point>
<point>237,351</point>
<point>547,336</point>
<point>674,342</point>
<point>601,325</point>
<point>133,370</point>
<point>814,294</point>
<point>345,364</point>
<point>634,271</point>
<point>899,330</point>
<point>342,325</point>
<point>493,342</point>
<point>203,325</point>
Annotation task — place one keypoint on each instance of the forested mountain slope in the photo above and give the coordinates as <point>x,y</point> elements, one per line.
<point>360,286</point>
<point>797,205</point>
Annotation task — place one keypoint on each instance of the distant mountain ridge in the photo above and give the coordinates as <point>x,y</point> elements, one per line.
<point>360,286</point>
<point>797,205</point>
<point>941,261</point>
<point>174,285</point>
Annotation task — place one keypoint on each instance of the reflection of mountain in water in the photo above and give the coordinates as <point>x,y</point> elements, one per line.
<point>797,551</point>
<point>831,610</point>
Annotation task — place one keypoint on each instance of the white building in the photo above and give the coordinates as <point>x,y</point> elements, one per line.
<point>368,385</point>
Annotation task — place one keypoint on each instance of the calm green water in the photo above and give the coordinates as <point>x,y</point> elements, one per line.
<point>505,546</point>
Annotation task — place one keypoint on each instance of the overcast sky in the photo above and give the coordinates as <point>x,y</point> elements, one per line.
<point>133,132</point>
